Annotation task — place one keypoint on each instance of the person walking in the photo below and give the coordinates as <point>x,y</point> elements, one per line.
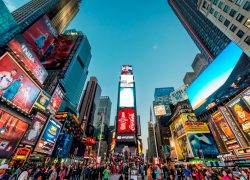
<point>53,174</point>
<point>3,174</point>
<point>106,173</point>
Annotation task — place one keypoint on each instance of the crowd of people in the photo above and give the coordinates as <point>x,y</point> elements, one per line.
<point>124,170</point>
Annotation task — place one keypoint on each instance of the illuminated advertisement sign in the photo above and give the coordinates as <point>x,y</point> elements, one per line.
<point>224,130</point>
<point>42,101</point>
<point>127,81</point>
<point>224,77</point>
<point>241,113</point>
<point>246,96</point>
<point>178,95</point>
<point>49,136</point>
<point>203,144</point>
<point>21,48</point>
<point>126,97</point>
<point>126,121</point>
<point>22,154</point>
<point>123,137</point>
<point>12,130</point>
<point>15,85</point>
<point>63,48</point>
<point>56,98</point>
<point>160,110</point>
<point>41,36</point>
<point>127,70</point>
<point>34,130</point>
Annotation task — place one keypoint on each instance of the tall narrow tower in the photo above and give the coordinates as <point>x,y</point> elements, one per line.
<point>126,123</point>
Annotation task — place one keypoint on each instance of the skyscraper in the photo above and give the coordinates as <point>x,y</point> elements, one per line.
<point>60,12</point>
<point>189,77</point>
<point>231,17</point>
<point>199,64</point>
<point>207,37</point>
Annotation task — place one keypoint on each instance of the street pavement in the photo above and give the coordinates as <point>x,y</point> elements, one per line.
<point>116,177</point>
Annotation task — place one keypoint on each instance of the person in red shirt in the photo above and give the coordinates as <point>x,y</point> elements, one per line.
<point>199,174</point>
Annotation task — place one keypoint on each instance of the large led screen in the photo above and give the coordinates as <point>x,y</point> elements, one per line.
<point>21,48</point>
<point>49,136</point>
<point>64,45</point>
<point>241,113</point>
<point>127,81</point>
<point>160,110</point>
<point>15,85</point>
<point>203,144</point>
<point>56,98</point>
<point>126,97</point>
<point>246,96</point>
<point>35,129</point>
<point>224,130</point>
<point>127,70</point>
<point>126,121</point>
<point>224,77</point>
<point>12,130</point>
<point>41,36</point>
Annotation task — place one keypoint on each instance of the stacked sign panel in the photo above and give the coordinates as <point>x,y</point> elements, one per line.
<point>126,112</point>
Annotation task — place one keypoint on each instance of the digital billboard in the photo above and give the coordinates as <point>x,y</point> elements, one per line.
<point>203,144</point>
<point>224,130</point>
<point>241,113</point>
<point>49,136</point>
<point>246,96</point>
<point>126,121</point>
<point>56,98</point>
<point>127,81</point>
<point>12,130</point>
<point>224,77</point>
<point>21,48</point>
<point>34,130</point>
<point>15,85</point>
<point>126,97</point>
<point>41,36</point>
<point>160,110</point>
<point>178,95</point>
<point>42,101</point>
<point>127,70</point>
<point>64,45</point>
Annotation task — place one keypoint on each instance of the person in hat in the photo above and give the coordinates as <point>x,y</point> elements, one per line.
<point>3,174</point>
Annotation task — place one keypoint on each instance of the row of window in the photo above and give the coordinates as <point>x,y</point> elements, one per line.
<point>237,2</point>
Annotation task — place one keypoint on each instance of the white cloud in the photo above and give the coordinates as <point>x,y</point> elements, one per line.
<point>10,5</point>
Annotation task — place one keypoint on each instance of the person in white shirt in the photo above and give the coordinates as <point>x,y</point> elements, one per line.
<point>6,78</point>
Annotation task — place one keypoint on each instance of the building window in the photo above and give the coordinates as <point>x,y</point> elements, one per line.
<point>216,2</point>
<point>205,5</point>
<point>239,2</point>
<point>211,10</point>
<point>240,33</point>
<point>226,23</point>
<point>247,40</point>
<point>247,6</point>
<point>233,28</point>
<point>226,9</point>
<point>240,17</point>
<point>232,13</point>
<point>216,14</point>
<point>221,18</point>
<point>220,5</point>
<point>247,23</point>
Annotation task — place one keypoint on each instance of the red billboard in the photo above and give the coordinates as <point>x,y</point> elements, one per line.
<point>11,132</point>
<point>41,36</point>
<point>15,85</point>
<point>35,129</point>
<point>56,99</point>
<point>21,48</point>
<point>126,121</point>
<point>63,48</point>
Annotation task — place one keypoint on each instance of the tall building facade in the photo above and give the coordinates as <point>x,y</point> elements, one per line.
<point>60,12</point>
<point>232,18</point>
<point>188,78</point>
<point>207,37</point>
<point>126,119</point>
<point>199,64</point>
<point>8,26</point>
<point>89,105</point>
<point>151,141</point>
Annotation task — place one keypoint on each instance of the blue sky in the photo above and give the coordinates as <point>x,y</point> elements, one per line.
<point>143,33</point>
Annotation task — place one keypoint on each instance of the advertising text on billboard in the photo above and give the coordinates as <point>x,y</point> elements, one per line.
<point>126,121</point>
<point>56,99</point>
<point>127,70</point>
<point>178,95</point>
<point>127,81</point>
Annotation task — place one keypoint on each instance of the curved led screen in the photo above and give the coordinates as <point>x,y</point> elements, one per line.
<point>225,76</point>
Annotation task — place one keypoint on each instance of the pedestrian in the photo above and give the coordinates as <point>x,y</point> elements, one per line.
<point>199,174</point>
<point>53,174</point>
<point>62,173</point>
<point>187,173</point>
<point>149,173</point>
<point>106,173</point>
<point>3,174</point>
<point>158,173</point>
<point>225,175</point>
<point>244,175</point>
